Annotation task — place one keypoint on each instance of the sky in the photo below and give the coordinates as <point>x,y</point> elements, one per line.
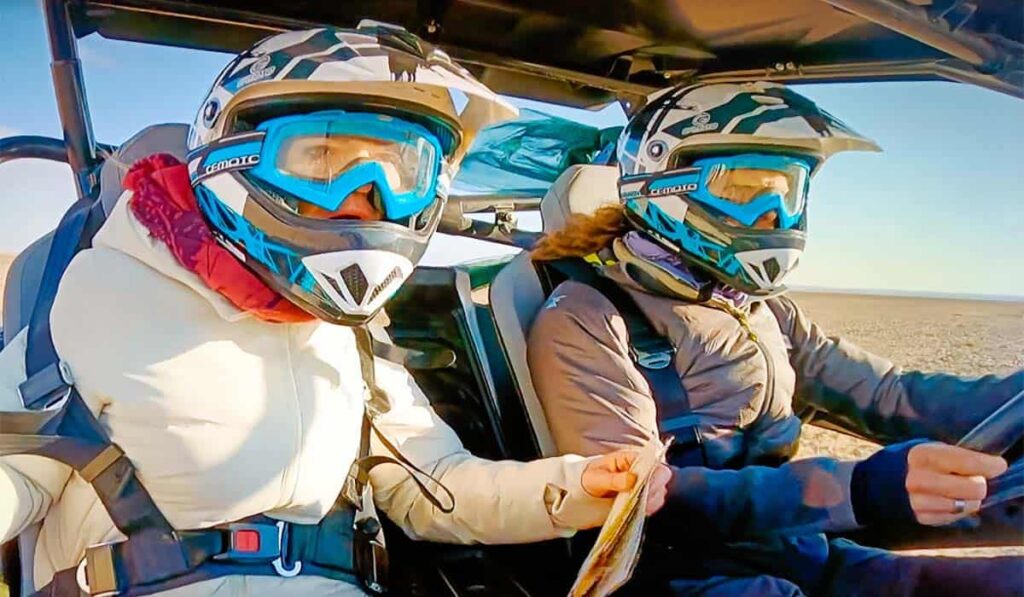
<point>940,210</point>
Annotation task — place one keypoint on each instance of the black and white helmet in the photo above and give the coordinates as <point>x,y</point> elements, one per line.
<point>690,161</point>
<point>342,271</point>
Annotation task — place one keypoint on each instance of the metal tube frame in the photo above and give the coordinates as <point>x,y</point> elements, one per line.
<point>951,70</point>
<point>69,88</point>
<point>980,62</point>
<point>996,64</point>
<point>503,230</point>
<point>33,147</point>
<point>526,201</point>
<point>913,22</point>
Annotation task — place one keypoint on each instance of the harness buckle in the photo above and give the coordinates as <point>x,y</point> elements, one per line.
<point>96,574</point>
<point>252,542</point>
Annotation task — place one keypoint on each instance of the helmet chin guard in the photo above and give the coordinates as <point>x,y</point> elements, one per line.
<point>768,267</point>
<point>360,281</point>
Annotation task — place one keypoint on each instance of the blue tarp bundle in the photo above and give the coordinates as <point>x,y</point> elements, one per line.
<point>529,153</point>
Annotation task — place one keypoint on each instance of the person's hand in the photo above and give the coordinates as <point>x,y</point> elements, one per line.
<point>946,482</point>
<point>657,488</point>
<point>610,474</point>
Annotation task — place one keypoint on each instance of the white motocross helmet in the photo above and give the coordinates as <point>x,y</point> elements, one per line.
<point>702,165</point>
<point>304,120</point>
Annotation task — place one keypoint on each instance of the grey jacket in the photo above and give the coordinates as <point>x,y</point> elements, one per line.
<point>746,374</point>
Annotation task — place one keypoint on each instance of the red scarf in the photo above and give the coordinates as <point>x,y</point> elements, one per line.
<point>163,201</point>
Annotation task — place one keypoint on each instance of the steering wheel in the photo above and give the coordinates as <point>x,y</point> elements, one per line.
<point>1000,433</point>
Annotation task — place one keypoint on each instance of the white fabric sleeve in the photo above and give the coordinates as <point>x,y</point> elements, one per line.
<point>495,502</point>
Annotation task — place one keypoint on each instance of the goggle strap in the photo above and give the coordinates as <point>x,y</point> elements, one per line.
<point>235,152</point>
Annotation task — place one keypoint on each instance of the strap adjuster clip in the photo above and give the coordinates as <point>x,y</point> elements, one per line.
<point>47,387</point>
<point>653,360</point>
<point>96,574</point>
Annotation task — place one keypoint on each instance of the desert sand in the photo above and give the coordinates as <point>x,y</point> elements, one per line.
<point>966,337</point>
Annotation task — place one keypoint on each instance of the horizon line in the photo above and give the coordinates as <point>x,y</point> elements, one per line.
<point>895,292</point>
<point>891,292</point>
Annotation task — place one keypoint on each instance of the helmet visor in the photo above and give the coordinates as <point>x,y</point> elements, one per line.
<point>746,187</point>
<point>324,159</point>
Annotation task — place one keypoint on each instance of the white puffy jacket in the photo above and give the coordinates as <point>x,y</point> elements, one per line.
<point>226,416</point>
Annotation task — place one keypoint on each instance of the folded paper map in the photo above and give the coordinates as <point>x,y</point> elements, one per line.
<point>611,561</point>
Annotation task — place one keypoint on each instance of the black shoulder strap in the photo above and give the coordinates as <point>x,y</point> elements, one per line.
<point>58,425</point>
<point>652,352</point>
<point>44,385</point>
<point>378,405</point>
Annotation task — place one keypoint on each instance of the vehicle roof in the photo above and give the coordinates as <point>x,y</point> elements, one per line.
<point>589,52</point>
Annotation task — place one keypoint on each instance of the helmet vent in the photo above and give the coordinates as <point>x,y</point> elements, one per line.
<point>772,269</point>
<point>355,281</point>
<point>334,284</point>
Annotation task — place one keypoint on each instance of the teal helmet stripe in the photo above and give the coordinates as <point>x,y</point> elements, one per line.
<point>695,245</point>
<point>749,125</point>
<point>742,104</point>
<point>272,62</point>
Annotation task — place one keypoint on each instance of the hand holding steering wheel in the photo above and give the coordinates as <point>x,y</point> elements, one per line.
<point>997,434</point>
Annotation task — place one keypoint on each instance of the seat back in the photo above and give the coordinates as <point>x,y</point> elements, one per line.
<point>516,294</point>
<point>26,270</point>
<point>463,393</point>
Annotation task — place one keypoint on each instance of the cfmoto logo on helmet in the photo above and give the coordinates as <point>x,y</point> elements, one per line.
<point>243,161</point>
<point>687,187</point>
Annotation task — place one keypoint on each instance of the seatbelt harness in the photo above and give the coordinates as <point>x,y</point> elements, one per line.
<point>347,545</point>
<point>651,352</point>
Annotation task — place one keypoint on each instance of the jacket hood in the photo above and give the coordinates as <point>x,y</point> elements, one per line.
<point>124,233</point>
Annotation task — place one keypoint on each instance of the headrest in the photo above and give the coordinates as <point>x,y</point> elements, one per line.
<point>581,189</point>
<point>159,138</point>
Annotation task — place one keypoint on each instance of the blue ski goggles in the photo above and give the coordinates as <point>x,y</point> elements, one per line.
<point>742,187</point>
<point>323,158</point>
